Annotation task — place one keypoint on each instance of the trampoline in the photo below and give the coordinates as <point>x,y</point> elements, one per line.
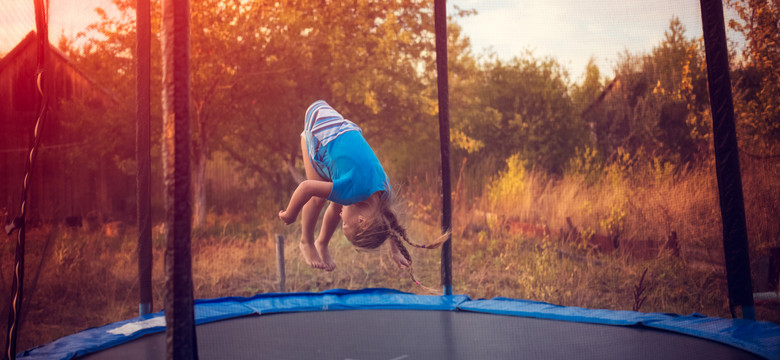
<point>390,324</point>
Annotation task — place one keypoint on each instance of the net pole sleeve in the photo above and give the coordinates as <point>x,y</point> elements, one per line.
<point>143,156</point>
<point>179,302</point>
<point>440,22</point>
<point>732,206</point>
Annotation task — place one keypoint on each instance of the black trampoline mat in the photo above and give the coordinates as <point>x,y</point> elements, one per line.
<point>419,334</point>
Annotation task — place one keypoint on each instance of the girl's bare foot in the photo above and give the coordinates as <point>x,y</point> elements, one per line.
<point>322,249</point>
<point>310,255</point>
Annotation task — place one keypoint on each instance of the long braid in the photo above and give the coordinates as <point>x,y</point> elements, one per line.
<point>396,239</point>
<point>386,226</point>
<point>396,233</point>
<point>393,223</point>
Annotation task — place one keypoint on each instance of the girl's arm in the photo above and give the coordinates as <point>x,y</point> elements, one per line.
<point>329,222</point>
<point>305,191</point>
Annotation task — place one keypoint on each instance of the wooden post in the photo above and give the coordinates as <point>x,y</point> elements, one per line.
<point>280,260</point>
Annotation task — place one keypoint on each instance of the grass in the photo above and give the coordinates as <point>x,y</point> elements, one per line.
<point>88,276</point>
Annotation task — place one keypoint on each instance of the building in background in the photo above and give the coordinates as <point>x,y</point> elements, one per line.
<point>69,180</point>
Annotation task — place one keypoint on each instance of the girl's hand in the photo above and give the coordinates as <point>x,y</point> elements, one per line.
<point>302,194</point>
<point>399,259</point>
<point>286,218</point>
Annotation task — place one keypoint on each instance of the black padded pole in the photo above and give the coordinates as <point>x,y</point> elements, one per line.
<point>732,206</point>
<point>143,157</point>
<point>440,21</point>
<point>179,311</point>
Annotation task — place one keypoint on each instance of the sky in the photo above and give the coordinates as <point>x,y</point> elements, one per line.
<point>571,31</point>
<point>574,31</point>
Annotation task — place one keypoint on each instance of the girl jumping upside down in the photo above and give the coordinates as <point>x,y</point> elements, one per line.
<point>342,167</point>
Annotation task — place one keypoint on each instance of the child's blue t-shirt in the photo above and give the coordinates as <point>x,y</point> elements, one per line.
<point>339,153</point>
<point>355,169</point>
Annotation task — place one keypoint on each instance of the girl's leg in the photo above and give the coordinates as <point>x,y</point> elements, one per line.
<point>329,223</point>
<point>309,214</point>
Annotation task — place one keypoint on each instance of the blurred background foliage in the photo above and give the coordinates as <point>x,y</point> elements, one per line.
<point>257,65</point>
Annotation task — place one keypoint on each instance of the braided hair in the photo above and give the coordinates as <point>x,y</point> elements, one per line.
<point>386,226</point>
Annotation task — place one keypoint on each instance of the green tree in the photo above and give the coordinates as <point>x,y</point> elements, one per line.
<point>223,37</point>
<point>528,111</point>
<point>256,66</point>
<point>585,96</point>
<point>757,105</point>
<point>624,121</point>
<point>368,65</point>
<point>684,125</point>
<point>657,104</point>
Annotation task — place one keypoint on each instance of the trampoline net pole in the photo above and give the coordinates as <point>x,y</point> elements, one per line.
<point>44,79</point>
<point>179,303</point>
<point>440,20</point>
<point>143,157</point>
<point>732,206</point>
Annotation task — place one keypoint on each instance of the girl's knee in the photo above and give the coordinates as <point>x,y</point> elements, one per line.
<point>318,201</point>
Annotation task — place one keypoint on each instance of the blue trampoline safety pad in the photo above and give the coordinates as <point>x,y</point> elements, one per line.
<point>757,337</point>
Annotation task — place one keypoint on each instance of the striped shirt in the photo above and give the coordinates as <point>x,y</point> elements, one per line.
<point>326,124</point>
<point>339,153</point>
